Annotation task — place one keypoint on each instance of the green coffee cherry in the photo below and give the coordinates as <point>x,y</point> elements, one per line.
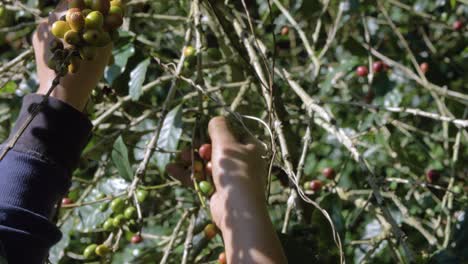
<point>90,251</point>
<point>117,205</point>
<point>109,224</point>
<point>206,188</point>
<point>142,195</point>
<point>118,221</point>
<point>130,212</point>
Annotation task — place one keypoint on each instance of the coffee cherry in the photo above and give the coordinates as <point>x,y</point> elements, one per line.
<point>66,201</point>
<point>90,251</point>
<point>74,65</point>
<point>315,185</point>
<point>130,212</point>
<point>362,71</point>
<point>94,20</point>
<point>284,31</point>
<point>113,21</point>
<point>141,195</point>
<point>222,258</point>
<point>377,66</point>
<point>189,51</point>
<point>101,6</point>
<point>102,250</point>
<point>76,21</point>
<point>457,25</point>
<point>92,37</point>
<point>76,4</point>
<point>117,3</point>
<point>424,67</point>
<point>329,173</point>
<point>59,28</point>
<point>117,205</point>
<point>210,231</point>
<point>432,176</point>
<point>70,12</point>
<point>108,224</point>
<point>206,188</point>
<point>72,37</point>
<point>209,168</point>
<point>88,53</point>
<point>137,239</point>
<point>205,152</point>
<point>116,10</point>
<point>369,97</point>
<point>197,166</point>
<point>118,221</point>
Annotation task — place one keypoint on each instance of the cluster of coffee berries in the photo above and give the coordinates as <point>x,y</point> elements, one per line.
<point>377,67</point>
<point>124,216</point>
<point>204,184</point>
<point>316,185</point>
<point>86,26</point>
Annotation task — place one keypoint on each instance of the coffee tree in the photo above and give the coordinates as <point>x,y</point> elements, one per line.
<point>362,106</point>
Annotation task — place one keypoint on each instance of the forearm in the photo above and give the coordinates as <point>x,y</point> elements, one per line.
<point>35,174</point>
<point>248,233</point>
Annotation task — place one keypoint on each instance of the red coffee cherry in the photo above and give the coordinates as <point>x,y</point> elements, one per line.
<point>457,25</point>
<point>362,71</point>
<point>205,152</point>
<point>424,67</point>
<point>315,185</point>
<point>222,258</point>
<point>209,168</point>
<point>329,173</point>
<point>377,66</point>
<point>67,201</point>
<point>137,239</point>
<point>432,176</point>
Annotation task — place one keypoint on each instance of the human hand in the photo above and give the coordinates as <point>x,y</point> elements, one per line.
<point>238,205</point>
<point>73,89</point>
<point>239,173</point>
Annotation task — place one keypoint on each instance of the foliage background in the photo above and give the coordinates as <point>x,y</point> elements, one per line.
<point>381,133</point>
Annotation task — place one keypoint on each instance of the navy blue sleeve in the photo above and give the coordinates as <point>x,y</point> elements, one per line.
<point>35,175</point>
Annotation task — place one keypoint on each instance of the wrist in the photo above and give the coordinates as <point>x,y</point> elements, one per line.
<point>77,98</point>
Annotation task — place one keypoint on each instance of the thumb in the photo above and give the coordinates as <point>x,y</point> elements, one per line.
<point>220,131</point>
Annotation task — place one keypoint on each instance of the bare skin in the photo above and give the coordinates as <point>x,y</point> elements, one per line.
<point>73,89</point>
<point>238,206</point>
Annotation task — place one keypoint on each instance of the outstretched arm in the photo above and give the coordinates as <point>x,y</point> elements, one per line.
<point>36,173</point>
<point>238,206</point>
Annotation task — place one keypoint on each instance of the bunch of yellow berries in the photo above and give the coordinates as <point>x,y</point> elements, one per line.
<point>86,26</point>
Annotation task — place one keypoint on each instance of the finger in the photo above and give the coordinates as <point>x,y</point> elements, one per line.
<point>220,132</point>
<point>253,143</point>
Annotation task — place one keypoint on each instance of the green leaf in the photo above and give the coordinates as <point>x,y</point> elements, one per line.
<point>137,78</point>
<point>57,252</point>
<point>9,87</point>
<point>121,56</point>
<point>169,137</point>
<point>120,159</point>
